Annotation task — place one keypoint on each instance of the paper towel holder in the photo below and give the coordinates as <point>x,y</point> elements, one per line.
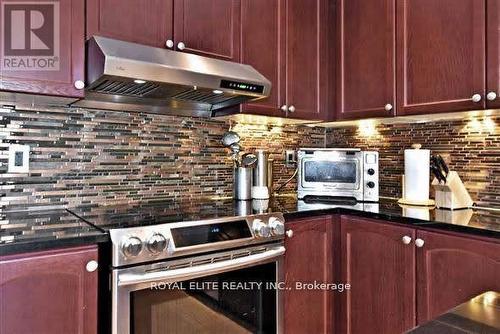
<point>403,200</point>
<point>408,197</point>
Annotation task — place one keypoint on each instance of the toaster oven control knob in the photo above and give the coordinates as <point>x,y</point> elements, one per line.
<point>260,229</point>
<point>277,226</point>
<point>371,184</point>
<point>371,171</point>
<point>132,246</point>
<point>157,243</point>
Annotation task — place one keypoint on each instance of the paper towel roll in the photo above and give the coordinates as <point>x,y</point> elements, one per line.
<point>416,181</point>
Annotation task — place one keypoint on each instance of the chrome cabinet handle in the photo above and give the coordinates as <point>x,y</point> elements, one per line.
<point>492,96</point>
<point>291,109</point>
<point>476,98</point>
<point>169,43</point>
<point>181,46</point>
<point>289,233</point>
<point>79,84</point>
<point>388,107</point>
<point>284,108</point>
<point>419,243</point>
<point>406,240</point>
<point>91,266</point>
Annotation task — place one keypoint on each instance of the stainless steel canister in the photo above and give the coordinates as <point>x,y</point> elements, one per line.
<point>243,208</point>
<point>270,164</point>
<point>261,170</point>
<point>242,186</point>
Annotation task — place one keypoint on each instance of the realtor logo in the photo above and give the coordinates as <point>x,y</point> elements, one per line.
<point>30,36</point>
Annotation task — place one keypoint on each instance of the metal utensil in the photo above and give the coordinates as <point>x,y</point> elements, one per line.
<point>229,138</point>
<point>442,164</point>
<point>248,160</point>
<point>236,148</point>
<point>438,174</point>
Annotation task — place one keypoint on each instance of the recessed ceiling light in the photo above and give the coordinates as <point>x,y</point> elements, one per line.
<point>217,91</point>
<point>139,81</point>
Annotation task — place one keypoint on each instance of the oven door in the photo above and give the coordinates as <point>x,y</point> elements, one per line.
<point>230,292</point>
<point>323,171</point>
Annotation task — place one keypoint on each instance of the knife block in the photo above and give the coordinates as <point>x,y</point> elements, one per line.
<point>451,195</point>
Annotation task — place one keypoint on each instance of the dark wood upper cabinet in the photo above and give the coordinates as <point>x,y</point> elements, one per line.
<point>381,270</point>
<point>441,62</point>
<point>308,66</point>
<point>208,27</point>
<point>65,50</point>
<point>309,257</point>
<point>366,58</point>
<point>291,43</point>
<point>49,292</point>
<point>148,22</point>
<point>262,46</point>
<point>493,54</point>
<point>451,270</point>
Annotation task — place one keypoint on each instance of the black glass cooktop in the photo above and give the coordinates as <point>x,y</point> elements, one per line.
<point>152,213</point>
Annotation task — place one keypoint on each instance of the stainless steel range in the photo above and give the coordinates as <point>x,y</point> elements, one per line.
<point>209,275</point>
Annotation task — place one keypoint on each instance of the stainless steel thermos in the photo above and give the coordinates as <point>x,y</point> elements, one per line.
<point>260,188</point>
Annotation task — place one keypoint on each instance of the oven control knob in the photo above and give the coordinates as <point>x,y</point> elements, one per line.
<point>260,229</point>
<point>157,243</point>
<point>132,246</point>
<point>277,226</point>
<point>371,171</point>
<point>371,184</point>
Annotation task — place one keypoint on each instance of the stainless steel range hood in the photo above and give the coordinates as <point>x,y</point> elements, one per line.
<point>135,77</point>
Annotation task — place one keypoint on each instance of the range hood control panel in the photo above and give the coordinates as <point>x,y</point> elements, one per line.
<point>242,86</point>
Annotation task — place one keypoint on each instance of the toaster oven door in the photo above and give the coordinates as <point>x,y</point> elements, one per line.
<point>341,173</point>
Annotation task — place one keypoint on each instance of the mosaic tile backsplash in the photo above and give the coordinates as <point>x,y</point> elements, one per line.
<point>83,156</point>
<point>470,147</point>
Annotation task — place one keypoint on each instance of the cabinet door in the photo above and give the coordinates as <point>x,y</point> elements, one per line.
<point>49,59</point>
<point>208,27</point>
<point>493,54</point>
<point>451,270</point>
<point>262,46</point>
<point>148,22</point>
<point>49,292</point>
<point>308,68</point>
<point>367,42</point>
<point>308,258</point>
<point>441,48</point>
<point>380,268</point>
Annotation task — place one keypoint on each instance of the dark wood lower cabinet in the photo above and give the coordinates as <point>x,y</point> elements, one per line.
<point>309,258</point>
<point>451,270</point>
<point>381,271</point>
<point>394,284</point>
<point>49,292</point>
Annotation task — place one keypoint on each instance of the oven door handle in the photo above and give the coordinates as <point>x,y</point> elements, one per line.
<point>182,274</point>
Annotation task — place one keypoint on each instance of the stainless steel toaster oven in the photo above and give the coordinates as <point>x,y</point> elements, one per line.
<point>338,172</point>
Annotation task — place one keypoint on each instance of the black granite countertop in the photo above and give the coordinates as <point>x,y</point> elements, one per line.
<point>35,229</point>
<point>479,315</point>
<point>479,222</point>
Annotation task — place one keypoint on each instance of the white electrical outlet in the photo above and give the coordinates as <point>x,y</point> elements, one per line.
<point>19,158</point>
